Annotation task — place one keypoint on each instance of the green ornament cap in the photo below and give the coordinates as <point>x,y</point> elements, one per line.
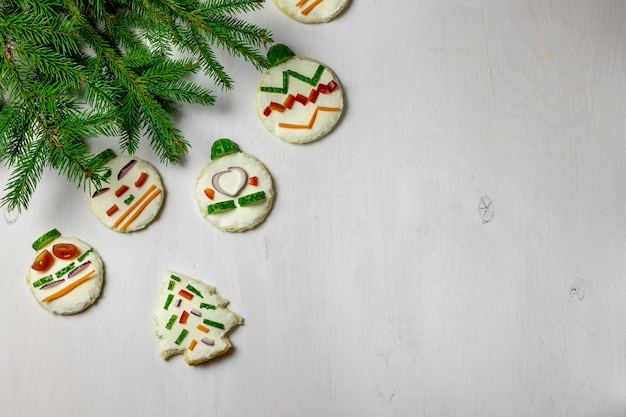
<point>102,158</point>
<point>223,147</point>
<point>46,238</point>
<point>278,53</point>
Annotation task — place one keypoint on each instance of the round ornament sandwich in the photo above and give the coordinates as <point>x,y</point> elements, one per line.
<point>192,319</point>
<point>234,191</point>
<point>311,11</point>
<point>66,274</point>
<point>133,196</point>
<point>298,99</point>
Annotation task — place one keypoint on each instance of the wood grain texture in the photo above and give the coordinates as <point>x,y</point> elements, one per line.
<point>374,288</point>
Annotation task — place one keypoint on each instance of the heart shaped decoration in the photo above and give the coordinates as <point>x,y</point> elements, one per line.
<point>232,190</point>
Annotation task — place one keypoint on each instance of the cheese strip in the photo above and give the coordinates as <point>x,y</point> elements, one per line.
<point>140,209</point>
<point>135,204</point>
<point>69,288</point>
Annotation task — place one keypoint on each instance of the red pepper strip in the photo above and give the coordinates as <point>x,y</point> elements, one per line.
<point>185,294</point>
<point>301,99</point>
<point>277,106</point>
<point>322,88</point>
<point>267,111</point>
<point>183,317</point>
<point>289,100</point>
<point>141,179</point>
<point>332,85</point>
<point>112,210</point>
<point>253,181</point>
<point>313,95</point>
<point>121,190</point>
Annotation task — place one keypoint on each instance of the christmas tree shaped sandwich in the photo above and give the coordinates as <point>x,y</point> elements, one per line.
<point>234,191</point>
<point>298,99</point>
<point>311,11</point>
<point>133,196</point>
<point>66,274</point>
<point>192,319</point>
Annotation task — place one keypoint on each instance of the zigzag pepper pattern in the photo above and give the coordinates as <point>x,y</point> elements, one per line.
<point>311,120</point>
<point>287,73</point>
<point>291,99</point>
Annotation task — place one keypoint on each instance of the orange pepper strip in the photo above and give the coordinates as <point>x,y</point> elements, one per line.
<point>192,344</point>
<point>301,2</point>
<point>310,7</point>
<point>70,287</point>
<point>202,328</point>
<point>135,204</point>
<point>140,209</point>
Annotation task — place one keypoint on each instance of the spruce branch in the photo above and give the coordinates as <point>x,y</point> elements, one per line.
<point>71,70</point>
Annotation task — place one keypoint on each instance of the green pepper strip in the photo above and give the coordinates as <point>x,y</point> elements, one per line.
<point>181,336</point>
<point>42,281</point>
<point>65,270</point>
<point>170,297</point>
<point>171,321</point>
<point>246,200</point>
<point>207,306</point>
<point>84,255</point>
<point>129,199</point>
<point>221,206</point>
<point>214,324</point>
<point>287,73</point>
<point>194,290</point>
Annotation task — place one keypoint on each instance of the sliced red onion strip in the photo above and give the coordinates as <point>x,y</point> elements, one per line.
<point>196,312</point>
<point>78,269</point>
<point>52,283</point>
<point>207,341</point>
<point>100,191</point>
<point>180,300</point>
<point>243,179</point>
<point>125,168</point>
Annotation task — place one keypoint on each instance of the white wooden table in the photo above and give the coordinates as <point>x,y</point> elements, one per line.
<point>374,288</point>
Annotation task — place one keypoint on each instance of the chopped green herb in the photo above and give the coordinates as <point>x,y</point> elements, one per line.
<point>170,286</point>
<point>207,306</point>
<point>221,206</point>
<point>214,324</point>
<point>181,336</point>
<point>65,270</point>
<point>171,321</point>
<point>194,290</point>
<point>174,277</point>
<point>129,199</point>
<point>84,255</point>
<point>42,281</point>
<point>246,200</point>
<point>170,297</point>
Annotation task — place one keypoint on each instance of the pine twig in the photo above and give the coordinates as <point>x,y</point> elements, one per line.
<point>71,70</point>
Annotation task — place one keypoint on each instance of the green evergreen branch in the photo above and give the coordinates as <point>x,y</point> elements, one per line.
<point>77,69</point>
